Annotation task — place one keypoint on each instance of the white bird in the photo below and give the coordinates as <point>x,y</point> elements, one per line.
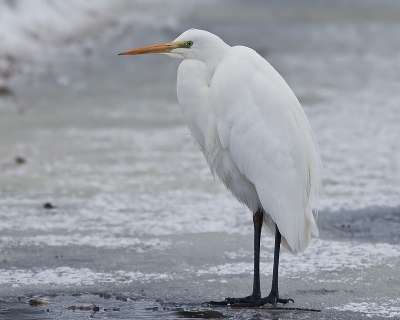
<point>255,136</point>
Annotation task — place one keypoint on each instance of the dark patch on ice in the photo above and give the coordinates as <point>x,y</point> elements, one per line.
<point>20,160</point>
<point>64,306</point>
<point>92,308</point>
<point>375,224</point>
<point>5,91</point>
<point>35,302</point>
<point>317,292</point>
<point>48,205</point>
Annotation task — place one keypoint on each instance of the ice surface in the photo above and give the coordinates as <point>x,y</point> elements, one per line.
<point>135,206</point>
<point>373,309</point>
<point>65,276</point>
<point>332,256</point>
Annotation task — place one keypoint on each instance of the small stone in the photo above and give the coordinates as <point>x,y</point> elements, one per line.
<point>37,302</point>
<point>20,160</point>
<point>4,91</point>
<point>48,205</point>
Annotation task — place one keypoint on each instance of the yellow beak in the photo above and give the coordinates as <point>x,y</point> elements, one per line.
<point>155,48</point>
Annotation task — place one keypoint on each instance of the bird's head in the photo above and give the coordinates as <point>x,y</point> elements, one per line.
<point>192,44</point>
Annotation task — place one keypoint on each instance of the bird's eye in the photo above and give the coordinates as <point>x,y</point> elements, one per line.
<point>189,43</point>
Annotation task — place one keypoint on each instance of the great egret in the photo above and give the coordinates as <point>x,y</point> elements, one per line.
<point>255,136</point>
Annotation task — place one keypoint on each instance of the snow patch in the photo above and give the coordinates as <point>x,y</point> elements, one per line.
<point>64,276</point>
<point>371,309</point>
<point>321,256</point>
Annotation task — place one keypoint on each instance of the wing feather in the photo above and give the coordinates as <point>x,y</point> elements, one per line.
<point>262,125</point>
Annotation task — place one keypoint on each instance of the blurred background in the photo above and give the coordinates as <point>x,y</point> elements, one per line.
<point>97,174</point>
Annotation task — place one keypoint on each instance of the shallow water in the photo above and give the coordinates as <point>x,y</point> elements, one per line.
<point>136,211</point>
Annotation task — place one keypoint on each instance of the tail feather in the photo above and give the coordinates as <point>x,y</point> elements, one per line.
<point>299,242</point>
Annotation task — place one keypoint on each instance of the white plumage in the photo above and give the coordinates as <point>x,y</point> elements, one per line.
<point>251,129</point>
<point>253,132</point>
<point>255,137</point>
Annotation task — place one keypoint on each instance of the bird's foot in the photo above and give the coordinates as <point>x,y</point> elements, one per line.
<point>250,301</point>
<point>227,301</point>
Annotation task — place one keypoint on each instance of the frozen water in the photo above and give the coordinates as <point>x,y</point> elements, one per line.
<point>373,309</point>
<point>136,210</point>
<point>332,257</point>
<point>65,276</point>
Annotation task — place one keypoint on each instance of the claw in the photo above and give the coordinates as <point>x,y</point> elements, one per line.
<point>284,301</point>
<point>248,302</point>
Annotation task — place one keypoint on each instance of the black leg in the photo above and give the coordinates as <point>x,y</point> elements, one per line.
<point>274,286</point>
<point>255,299</point>
<point>273,298</point>
<point>258,221</point>
<point>256,295</point>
